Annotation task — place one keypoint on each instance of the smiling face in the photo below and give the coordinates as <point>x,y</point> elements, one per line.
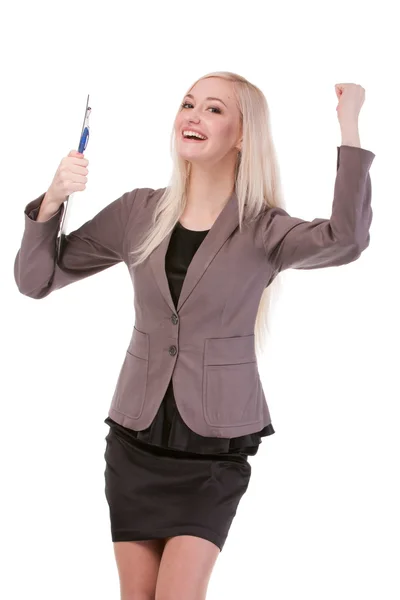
<point>218,119</point>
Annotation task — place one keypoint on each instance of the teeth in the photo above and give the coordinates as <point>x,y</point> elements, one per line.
<point>188,132</point>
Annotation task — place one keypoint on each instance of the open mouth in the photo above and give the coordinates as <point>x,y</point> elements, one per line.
<point>192,139</point>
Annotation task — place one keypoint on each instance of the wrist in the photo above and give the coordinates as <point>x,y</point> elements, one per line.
<point>350,134</point>
<point>48,208</point>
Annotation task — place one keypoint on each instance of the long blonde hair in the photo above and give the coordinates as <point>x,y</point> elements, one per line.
<point>257,183</point>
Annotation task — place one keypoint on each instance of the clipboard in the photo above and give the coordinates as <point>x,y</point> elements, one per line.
<point>83,142</point>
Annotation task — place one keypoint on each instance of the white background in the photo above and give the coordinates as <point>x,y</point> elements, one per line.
<point>320,518</point>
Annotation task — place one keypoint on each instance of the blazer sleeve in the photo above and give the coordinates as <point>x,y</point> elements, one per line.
<point>291,242</point>
<point>96,245</point>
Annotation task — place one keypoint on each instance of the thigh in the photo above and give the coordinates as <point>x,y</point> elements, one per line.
<point>186,566</point>
<point>138,563</point>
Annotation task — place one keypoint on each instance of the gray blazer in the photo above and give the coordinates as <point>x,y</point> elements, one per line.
<point>206,343</point>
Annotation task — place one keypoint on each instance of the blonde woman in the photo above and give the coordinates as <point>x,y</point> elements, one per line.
<point>188,407</point>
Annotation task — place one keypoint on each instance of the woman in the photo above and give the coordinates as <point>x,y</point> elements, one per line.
<point>188,408</point>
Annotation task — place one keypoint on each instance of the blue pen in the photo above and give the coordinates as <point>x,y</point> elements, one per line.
<point>85,133</point>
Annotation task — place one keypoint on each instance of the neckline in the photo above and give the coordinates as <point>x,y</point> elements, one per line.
<point>192,230</point>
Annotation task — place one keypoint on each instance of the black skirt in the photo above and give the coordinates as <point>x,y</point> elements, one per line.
<point>155,492</point>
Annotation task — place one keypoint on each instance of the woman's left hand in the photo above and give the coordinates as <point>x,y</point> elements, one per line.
<point>351,97</point>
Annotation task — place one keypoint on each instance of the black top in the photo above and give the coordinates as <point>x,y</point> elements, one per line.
<point>168,429</point>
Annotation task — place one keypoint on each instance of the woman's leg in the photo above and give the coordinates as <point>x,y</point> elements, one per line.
<point>185,569</point>
<point>138,563</point>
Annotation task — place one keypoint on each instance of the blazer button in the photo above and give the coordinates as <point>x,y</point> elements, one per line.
<point>172,350</point>
<point>174,319</point>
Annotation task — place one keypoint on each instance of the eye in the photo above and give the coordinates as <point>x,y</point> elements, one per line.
<point>212,107</point>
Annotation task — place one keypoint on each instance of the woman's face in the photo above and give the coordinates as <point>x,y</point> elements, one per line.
<point>217,119</point>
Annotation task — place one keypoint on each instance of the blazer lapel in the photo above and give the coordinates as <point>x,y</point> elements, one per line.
<point>223,227</point>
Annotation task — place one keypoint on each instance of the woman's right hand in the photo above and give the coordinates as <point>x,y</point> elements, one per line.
<point>70,177</point>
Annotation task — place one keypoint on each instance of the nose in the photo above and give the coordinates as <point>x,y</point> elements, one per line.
<point>192,121</point>
<point>193,118</point>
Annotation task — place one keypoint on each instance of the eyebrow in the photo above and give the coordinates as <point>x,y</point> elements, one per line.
<point>208,98</point>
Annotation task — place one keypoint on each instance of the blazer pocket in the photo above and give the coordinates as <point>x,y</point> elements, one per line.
<point>139,344</point>
<point>130,392</point>
<point>231,384</point>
